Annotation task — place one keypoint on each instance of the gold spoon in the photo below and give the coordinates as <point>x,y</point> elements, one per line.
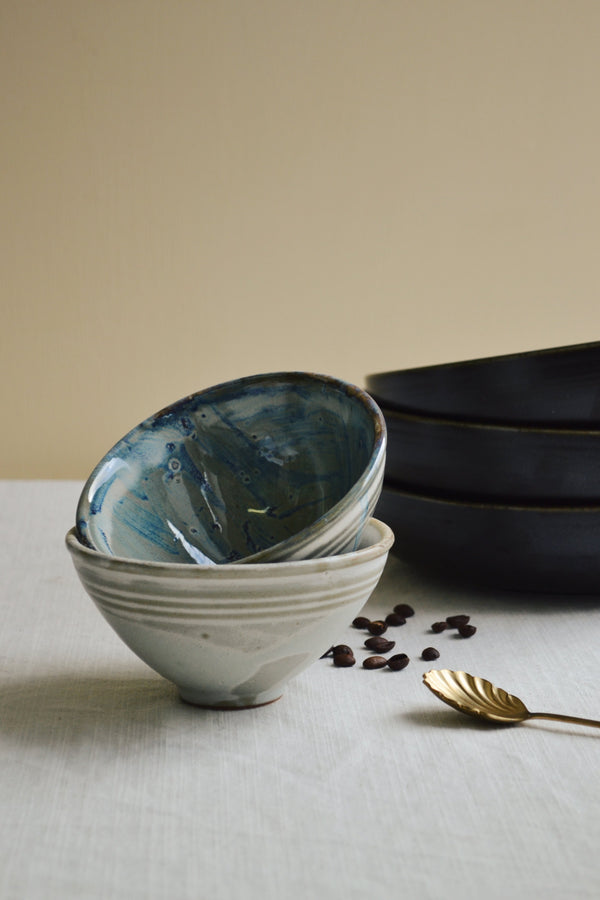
<point>478,697</point>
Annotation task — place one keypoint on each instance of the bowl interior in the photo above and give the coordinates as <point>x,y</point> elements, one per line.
<point>231,471</point>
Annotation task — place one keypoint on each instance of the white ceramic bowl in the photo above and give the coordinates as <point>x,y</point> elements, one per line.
<point>232,636</point>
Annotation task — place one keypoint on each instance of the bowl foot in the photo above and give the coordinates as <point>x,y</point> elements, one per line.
<point>200,699</point>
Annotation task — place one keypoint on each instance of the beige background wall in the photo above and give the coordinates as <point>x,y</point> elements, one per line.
<point>194,190</point>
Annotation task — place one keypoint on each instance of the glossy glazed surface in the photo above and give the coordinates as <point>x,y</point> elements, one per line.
<point>262,468</point>
<point>232,636</point>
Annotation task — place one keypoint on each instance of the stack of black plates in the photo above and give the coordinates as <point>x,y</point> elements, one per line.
<point>493,468</point>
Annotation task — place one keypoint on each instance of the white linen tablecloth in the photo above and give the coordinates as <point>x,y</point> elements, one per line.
<point>354,783</point>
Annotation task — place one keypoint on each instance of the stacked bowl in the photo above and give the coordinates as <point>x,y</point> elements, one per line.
<point>229,537</point>
<point>493,468</point>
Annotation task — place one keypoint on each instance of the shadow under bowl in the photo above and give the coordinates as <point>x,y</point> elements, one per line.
<point>256,469</point>
<point>231,637</point>
<point>554,386</point>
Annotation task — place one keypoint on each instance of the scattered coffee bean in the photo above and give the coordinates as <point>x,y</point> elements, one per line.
<point>438,627</point>
<point>344,660</point>
<point>394,619</point>
<point>375,662</point>
<point>430,653</point>
<point>361,622</point>
<point>456,621</point>
<point>403,609</point>
<point>377,627</point>
<point>399,661</point>
<point>342,648</point>
<point>380,644</point>
<point>466,630</point>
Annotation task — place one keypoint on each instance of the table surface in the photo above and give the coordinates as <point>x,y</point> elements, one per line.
<point>355,782</point>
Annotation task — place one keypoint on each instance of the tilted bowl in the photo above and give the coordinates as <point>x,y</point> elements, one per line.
<point>488,461</point>
<point>548,549</point>
<point>556,386</point>
<point>260,469</point>
<point>232,636</point>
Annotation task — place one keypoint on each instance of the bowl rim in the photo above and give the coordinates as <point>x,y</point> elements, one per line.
<point>123,564</point>
<point>352,391</point>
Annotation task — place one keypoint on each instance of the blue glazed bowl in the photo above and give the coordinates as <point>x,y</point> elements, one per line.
<point>261,469</point>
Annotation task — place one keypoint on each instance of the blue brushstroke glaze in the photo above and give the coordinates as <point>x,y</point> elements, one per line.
<point>230,471</point>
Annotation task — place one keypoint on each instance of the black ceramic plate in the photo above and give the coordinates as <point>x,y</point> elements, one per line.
<point>557,386</point>
<point>492,462</point>
<point>522,548</point>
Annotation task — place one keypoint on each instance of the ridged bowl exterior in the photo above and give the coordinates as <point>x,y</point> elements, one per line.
<point>232,636</point>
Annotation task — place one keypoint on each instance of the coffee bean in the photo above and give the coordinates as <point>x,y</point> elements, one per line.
<point>361,622</point>
<point>341,648</point>
<point>394,619</point>
<point>430,653</point>
<point>438,627</point>
<point>375,643</point>
<point>467,630</point>
<point>399,661</point>
<point>456,621</point>
<point>380,644</point>
<point>343,660</point>
<point>403,609</point>
<point>375,662</point>
<point>377,627</point>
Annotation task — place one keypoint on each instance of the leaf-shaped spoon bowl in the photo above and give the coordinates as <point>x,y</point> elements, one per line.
<point>477,697</point>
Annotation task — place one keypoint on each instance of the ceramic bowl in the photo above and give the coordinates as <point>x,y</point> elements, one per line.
<point>557,386</point>
<point>549,549</point>
<point>261,469</point>
<point>232,636</point>
<point>477,461</point>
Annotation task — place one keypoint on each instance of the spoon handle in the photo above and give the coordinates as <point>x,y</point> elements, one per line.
<point>575,720</point>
